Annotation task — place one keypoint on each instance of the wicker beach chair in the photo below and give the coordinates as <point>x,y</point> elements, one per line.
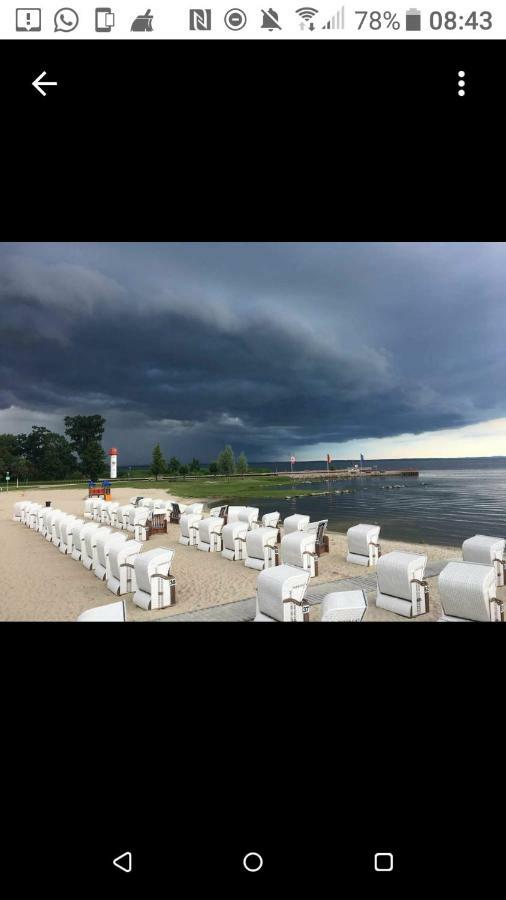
<point>79,536</point>
<point>261,548</point>
<point>156,588</point>
<point>295,523</point>
<point>210,534</point>
<point>468,593</point>
<point>280,595</point>
<point>121,567</point>
<point>321,538</point>
<point>89,547</point>
<point>363,545</point>
<point>61,528</point>
<point>54,519</point>
<point>189,525</point>
<point>486,551</point>
<point>401,585</point>
<point>18,510</point>
<point>104,542</point>
<point>234,540</point>
<point>73,526</point>
<point>123,516</point>
<point>88,508</point>
<point>111,612</point>
<point>344,606</point>
<point>299,549</point>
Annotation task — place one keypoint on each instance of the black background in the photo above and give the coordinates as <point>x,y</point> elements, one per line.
<point>316,747</point>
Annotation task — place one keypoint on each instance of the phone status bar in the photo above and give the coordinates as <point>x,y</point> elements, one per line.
<point>130,20</point>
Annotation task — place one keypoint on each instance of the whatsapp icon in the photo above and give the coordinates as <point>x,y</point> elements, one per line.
<point>66,19</point>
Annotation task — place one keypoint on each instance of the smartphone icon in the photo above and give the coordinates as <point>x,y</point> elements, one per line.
<point>104,19</point>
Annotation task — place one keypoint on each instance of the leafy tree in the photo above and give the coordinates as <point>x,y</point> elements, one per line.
<point>48,454</point>
<point>83,431</point>
<point>226,461</point>
<point>194,465</point>
<point>242,464</point>
<point>174,465</point>
<point>93,461</point>
<point>158,465</point>
<point>183,470</point>
<point>213,468</point>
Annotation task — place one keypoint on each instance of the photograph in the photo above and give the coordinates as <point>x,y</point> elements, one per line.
<point>247,432</point>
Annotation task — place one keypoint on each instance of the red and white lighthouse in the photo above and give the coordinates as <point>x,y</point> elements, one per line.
<point>113,453</point>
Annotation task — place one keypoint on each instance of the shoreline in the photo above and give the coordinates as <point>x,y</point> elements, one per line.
<point>40,584</point>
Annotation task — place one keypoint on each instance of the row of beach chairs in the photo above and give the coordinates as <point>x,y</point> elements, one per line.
<point>467,587</point>
<point>112,556</point>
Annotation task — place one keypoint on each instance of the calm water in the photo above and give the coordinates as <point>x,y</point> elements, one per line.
<point>442,506</point>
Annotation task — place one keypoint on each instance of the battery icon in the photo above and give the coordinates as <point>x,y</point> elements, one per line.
<point>413,20</point>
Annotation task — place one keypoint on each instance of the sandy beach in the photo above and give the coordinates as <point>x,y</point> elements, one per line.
<point>40,584</point>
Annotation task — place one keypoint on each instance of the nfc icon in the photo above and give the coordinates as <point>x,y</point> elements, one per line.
<point>200,20</point>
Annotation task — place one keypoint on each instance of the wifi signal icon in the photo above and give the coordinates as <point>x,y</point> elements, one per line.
<point>306,12</point>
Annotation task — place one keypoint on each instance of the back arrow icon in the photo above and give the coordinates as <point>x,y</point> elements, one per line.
<point>37,84</point>
<point>123,862</point>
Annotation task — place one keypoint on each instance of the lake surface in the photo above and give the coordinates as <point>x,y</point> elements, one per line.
<point>442,506</point>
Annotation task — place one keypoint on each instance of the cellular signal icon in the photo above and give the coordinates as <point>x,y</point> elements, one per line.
<point>307,13</point>
<point>336,23</point>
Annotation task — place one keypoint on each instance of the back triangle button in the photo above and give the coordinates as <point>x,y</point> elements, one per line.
<point>123,862</point>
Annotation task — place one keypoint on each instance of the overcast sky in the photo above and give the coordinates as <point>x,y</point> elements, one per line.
<point>388,348</point>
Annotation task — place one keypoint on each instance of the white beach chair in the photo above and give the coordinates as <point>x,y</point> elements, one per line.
<point>486,551</point>
<point>96,508</point>
<point>219,512</point>
<point>78,538</point>
<point>123,516</point>
<point>113,515</point>
<point>88,507</point>
<point>299,549</point>
<point>295,523</point>
<point>146,502</point>
<point>401,585</point>
<point>56,529</point>
<point>156,588</point>
<point>104,541</point>
<point>194,509</point>
<point>18,510</point>
<point>280,595</point>
<point>234,540</point>
<point>27,513</point>
<point>106,512</point>
<point>210,534</point>
<point>137,516</point>
<point>111,612</point>
<point>121,578</point>
<point>344,606</point>
<point>319,530</point>
<point>46,519</point>
<point>189,525</point>
<point>468,593</point>
<point>41,515</point>
<point>33,516</point>
<point>55,518</point>
<point>270,520</point>
<point>261,548</point>
<point>89,547</point>
<point>61,531</point>
<point>177,510</point>
<point>71,525</point>
<point>363,545</point>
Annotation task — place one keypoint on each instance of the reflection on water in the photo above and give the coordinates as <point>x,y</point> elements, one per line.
<point>436,508</point>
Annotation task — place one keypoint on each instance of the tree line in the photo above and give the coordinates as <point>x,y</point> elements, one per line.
<point>225,464</point>
<point>44,455</point>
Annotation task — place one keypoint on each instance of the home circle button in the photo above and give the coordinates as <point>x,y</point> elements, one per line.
<point>252,862</point>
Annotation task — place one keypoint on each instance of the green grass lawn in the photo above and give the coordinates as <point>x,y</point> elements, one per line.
<point>205,488</point>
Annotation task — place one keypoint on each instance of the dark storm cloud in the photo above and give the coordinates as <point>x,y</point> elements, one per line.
<point>268,346</point>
